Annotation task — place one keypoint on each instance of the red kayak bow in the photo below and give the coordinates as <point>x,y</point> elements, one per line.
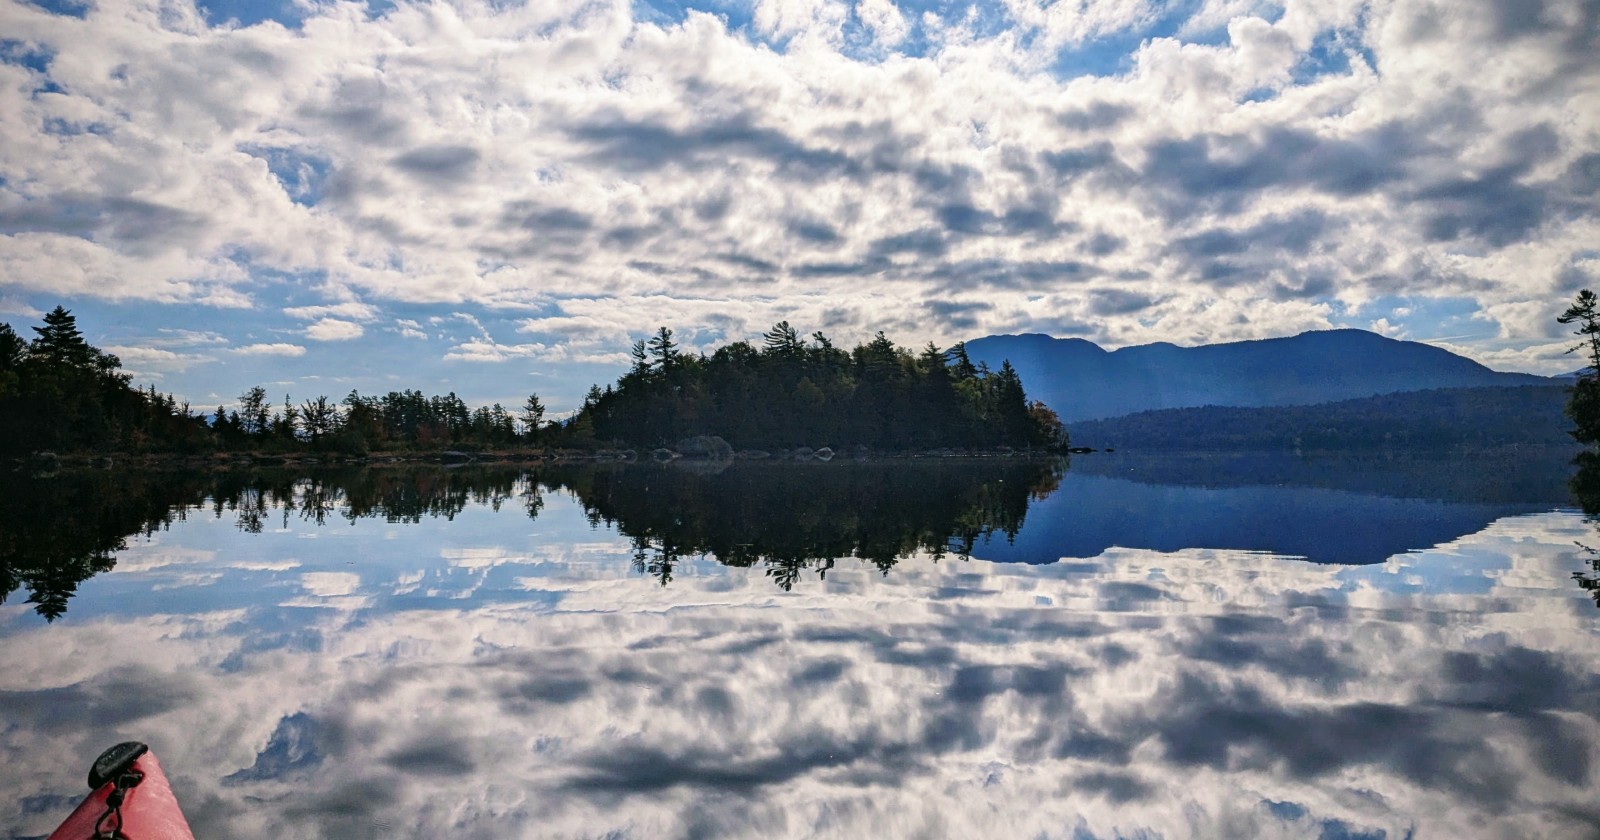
<point>131,800</point>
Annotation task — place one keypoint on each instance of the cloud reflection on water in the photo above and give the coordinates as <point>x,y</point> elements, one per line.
<point>494,676</point>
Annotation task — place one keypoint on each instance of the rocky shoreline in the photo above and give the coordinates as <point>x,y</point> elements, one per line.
<point>692,450</point>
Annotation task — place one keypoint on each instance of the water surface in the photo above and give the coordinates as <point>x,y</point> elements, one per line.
<point>1002,649</point>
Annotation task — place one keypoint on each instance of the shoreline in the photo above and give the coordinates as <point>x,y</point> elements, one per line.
<point>43,464</point>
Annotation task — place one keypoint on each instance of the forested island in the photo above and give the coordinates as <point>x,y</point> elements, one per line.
<point>793,392</point>
<point>61,395</point>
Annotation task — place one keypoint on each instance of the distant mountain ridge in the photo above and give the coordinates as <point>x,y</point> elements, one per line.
<point>1082,381</point>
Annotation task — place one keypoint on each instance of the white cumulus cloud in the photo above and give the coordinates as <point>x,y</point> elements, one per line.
<point>333,329</point>
<point>277,349</point>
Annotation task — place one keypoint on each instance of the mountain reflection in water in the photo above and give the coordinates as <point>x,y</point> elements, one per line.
<point>475,653</point>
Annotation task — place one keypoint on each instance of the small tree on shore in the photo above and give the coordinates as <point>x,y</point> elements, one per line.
<point>255,415</point>
<point>532,417</point>
<point>318,418</point>
<point>1583,401</point>
<point>1585,312</point>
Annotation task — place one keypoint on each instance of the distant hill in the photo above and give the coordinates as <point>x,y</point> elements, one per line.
<point>1434,420</point>
<point>1083,381</point>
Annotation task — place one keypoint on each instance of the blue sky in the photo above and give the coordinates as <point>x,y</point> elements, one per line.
<point>496,198</point>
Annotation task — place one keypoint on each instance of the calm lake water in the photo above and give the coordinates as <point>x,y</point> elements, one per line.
<point>1200,647</point>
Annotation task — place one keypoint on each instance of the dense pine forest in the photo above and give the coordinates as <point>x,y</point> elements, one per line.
<point>806,392</point>
<point>60,394</point>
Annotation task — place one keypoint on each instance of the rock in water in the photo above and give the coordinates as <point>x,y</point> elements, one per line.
<point>705,446</point>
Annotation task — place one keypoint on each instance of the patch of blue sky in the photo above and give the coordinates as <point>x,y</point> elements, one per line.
<point>1330,55</point>
<point>738,16</point>
<point>304,177</point>
<point>378,8</point>
<point>983,18</point>
<point>36,59</point>
<point>1421,318</point>
<point>1112,53</point>
<point>67,8</point>
<point>1109,56</point>
<point>66,128</point>
<point>1285,810</point>
<point>251,12</point>
<point>1340,830</point>
<point>25,54</point>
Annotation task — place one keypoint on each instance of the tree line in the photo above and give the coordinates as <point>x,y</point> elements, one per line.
<point>397,420</point>
<point>59,393</point>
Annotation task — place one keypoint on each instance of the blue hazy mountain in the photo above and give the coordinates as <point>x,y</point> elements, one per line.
<point>1083,381</point>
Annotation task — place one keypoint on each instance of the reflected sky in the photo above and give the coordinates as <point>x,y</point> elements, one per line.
<point>487,674</point>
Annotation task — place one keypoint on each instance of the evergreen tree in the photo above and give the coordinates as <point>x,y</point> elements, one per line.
<point>1583,402</point>
<point>1009,406</point>
<point>641,359</point>
<point>532,417</point>
<point>1585,312</point>
<point>286,425</point>
<point>961,363</point>
<point>60,342</point>
<point>665,350</point>
<point>12,348</point>
<point>12,352</point>
<point>782,340</point>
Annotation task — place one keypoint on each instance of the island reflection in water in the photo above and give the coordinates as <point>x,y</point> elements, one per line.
<point>407,652</point>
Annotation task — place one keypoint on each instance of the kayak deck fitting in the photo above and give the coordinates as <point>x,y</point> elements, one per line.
<point>130,799</point>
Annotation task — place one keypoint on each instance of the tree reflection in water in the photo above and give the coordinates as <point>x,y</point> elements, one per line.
<point>57,532</point>
<point>793,517</point>
<point>1586,489</point>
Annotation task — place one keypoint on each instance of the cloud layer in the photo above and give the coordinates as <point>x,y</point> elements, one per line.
<point>1129,172</point>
